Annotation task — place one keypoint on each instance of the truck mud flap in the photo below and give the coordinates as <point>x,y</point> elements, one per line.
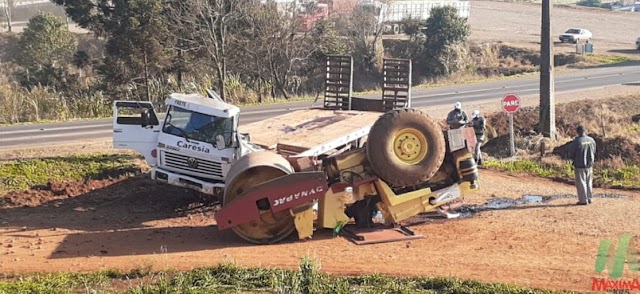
<point>378,235</point>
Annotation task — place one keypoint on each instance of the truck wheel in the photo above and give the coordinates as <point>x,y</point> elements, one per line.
<point>405,147</point>
<point>249,171</point>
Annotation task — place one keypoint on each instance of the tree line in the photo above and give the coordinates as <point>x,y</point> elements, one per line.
<point>246,50</point>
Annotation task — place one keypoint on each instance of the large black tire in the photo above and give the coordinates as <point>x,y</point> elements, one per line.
<point>393,154</point>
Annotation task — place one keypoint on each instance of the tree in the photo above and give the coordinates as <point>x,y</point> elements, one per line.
<point>7,9</point>
<point>413,48</point>
<point>365,28</point>
<point>273,48</point>
<point>46,41</point>
<point>205,25</point>
<point>323,41</point>
<point>137,47</point>
<point>444,30</point>
<point>46,48</point>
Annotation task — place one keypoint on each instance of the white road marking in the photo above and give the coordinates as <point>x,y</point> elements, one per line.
<point>53,129</point>
<point>102,132</point>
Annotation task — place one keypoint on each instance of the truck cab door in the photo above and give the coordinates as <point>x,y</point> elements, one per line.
<point>136,127</point>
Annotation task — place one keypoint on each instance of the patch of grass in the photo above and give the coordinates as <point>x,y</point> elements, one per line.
<point>55,283</point>
<point>635,128</point>
<point>278,101</point>
<point>602,59</point>
<point>626,176</point>
<point>469,79</point>
<point>529,166</point>
<point>26,173</point>
<point>230,278</point>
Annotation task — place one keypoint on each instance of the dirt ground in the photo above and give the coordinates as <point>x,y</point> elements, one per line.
<point>134,223</point>
<point>613,32</point>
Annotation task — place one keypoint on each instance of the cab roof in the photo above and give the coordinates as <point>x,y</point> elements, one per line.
<point>203,104</point>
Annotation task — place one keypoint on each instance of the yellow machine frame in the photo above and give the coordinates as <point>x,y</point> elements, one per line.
<point>394,207</point>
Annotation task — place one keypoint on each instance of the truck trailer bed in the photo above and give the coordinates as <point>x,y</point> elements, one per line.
<point>310,132</point>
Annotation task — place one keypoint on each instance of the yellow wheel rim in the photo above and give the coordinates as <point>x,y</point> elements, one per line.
<point>410,146</point>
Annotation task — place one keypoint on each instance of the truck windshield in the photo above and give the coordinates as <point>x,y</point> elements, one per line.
<point>197,126</point>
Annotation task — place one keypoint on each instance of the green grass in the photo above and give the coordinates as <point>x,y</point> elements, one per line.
<point>601,59</point>
<point>230,278</point>
<point>626,177</point>
<point>26,173</point>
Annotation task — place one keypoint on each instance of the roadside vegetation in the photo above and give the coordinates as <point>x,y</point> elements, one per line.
<point>605,175</point>
<point>231,278</point>
<point>252,55</point>
<point>609,121</point>
<point>26,174</point>
<point>605,59</point>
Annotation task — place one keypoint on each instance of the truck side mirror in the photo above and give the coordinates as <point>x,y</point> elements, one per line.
<point>145,118</point>
<point>220,143</point>
<point>234,139</point>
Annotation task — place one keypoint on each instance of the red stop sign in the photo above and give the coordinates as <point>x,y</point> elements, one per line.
<point>511,103</point>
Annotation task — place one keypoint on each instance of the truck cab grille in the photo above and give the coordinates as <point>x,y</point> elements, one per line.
<point>191,164</point>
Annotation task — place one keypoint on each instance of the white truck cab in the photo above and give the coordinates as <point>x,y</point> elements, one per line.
<point>199,140</point>
<point>193,147</point>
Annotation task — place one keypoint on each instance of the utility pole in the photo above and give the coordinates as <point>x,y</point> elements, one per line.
<point>547,99</point>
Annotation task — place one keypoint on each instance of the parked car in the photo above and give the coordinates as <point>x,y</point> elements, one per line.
<point>575,35</point>
<point>638,43</point>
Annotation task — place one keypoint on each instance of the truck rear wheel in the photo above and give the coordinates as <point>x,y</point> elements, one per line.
<point>405,147</point>
<point>249,171</point>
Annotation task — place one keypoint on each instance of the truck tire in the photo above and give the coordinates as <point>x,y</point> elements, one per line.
<point>405,147</point>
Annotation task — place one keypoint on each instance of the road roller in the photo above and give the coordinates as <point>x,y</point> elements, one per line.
<point>408,166</point>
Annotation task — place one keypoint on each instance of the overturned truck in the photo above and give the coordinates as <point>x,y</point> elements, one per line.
<point>311,168</point>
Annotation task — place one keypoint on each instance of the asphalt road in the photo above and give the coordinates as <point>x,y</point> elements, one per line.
<point>85,131</point>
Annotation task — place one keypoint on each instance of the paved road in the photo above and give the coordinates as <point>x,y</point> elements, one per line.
<point>30,135</point>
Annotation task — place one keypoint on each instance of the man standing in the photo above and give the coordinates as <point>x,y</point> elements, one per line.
<point>479,127</point>
<point>457,118</point>
<point>582,154</point>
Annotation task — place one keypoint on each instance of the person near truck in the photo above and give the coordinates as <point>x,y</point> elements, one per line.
<point>457,118</point>
<point>582,154</point>
<point>479,127</point>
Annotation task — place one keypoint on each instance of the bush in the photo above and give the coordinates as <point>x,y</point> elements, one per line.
<point>590,3</point>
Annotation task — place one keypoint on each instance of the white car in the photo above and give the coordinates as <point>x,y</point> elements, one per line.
<point>638,43</point>
<point>575,35</point>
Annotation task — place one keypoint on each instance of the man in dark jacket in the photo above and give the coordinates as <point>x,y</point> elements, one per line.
<point>582,154</point>
<point>457,118</point>
<point>479,127</point>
